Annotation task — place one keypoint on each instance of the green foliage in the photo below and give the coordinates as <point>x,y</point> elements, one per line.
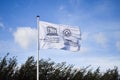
<point>49,70</point>
<point>27,71</point>
<point>7,68</point>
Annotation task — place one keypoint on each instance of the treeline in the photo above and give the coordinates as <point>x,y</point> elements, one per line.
<point>50,70</point>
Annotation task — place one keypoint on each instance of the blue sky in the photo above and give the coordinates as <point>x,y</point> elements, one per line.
<point>99,21</point>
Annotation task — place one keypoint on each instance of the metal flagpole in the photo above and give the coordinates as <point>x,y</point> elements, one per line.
<point>38,47</point>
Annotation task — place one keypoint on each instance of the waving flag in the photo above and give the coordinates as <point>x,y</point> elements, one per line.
<point>59,36</point>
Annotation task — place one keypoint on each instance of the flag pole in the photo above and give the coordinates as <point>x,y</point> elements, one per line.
<point>38,44</point>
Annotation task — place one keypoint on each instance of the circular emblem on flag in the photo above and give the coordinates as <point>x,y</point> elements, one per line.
<point>67,33</point>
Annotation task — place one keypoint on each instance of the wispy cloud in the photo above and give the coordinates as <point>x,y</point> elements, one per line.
<point>117,34</point>
<point>10,29</point>
<point>84,50</point>
<point>61,8</point>
<point>0,46</point>
<point>1,25</point>
<point>102,62</point>
<point>25,36</point>
<point>101,39</point>
<point>118,45</point>
<point>84,35</point>
<point>75,3</point>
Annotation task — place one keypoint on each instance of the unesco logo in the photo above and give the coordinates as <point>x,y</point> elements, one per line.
<point>67,33</point>
<point>51,31</point>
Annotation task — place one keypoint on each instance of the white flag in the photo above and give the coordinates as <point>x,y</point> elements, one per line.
<point>59,36</point>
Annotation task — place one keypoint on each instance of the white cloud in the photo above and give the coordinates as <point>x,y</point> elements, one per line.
<point>1,25</point>
<point>101,39</point>
<point>25,36</point>
<point>118,45</point>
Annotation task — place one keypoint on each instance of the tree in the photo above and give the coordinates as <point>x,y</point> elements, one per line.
<point>7,68</point>
<point>27,71</point>
<point>50,70</point>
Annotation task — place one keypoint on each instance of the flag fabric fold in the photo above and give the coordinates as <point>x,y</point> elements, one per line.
<point>59,36</point>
